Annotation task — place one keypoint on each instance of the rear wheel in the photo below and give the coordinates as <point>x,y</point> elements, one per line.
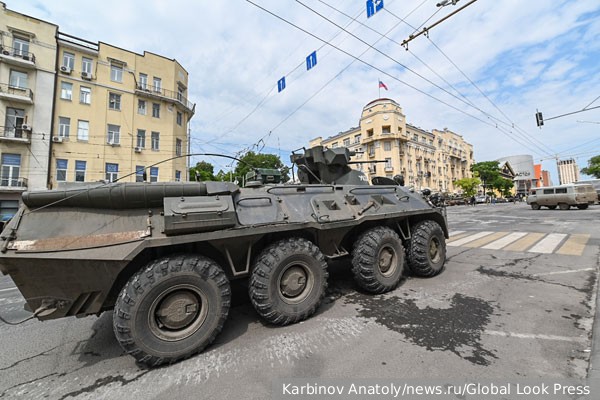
<point>563,206</point>
<point>172,309</point>
<point>378,260</point>
<point>288,281</point>
<point>535,206</point>
<point>582,206</point>
<point>427,249</point>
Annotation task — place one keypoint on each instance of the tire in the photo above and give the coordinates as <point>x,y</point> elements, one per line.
<point>427,249</point>
<point>172,309</point>
<point>378,260</point>
<point>552,207</point>
<point>563,206</point>
<point>288,281</point>
<point>582,206</point>
<point>535,206</point>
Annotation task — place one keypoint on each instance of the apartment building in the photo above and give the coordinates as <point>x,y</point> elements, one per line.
<point>116,114</point>
<point>568,171</point>
<point>27,71</point>
<point>387,145</point>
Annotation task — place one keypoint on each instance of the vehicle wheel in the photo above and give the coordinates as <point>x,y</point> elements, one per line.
<point>378,260</point>
<point>427,249</point>
<point>535,206</point>
<point>563,206</point>
<point>552,207</point>
<point>172,309</point>
<point>582,206</point>
<point>288,281</point>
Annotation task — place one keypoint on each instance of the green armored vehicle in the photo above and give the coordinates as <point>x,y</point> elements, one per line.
<point>162,255</point>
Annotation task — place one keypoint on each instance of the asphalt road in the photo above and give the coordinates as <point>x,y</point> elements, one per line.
<point>516,302</point>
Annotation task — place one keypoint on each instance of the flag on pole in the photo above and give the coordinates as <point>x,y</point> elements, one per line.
<point>382,85</point>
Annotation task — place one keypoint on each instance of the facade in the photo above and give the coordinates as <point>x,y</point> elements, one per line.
<point>525,177</point>
<point>387,145</point>
<point>27,71</point>
<point>542,176</point>
<point>117,113</point>
<point>568,171</point>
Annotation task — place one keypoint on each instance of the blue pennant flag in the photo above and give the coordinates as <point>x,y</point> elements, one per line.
<point>281,84</point>
<point>311,60</point>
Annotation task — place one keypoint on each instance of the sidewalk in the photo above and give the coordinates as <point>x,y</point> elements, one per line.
<point>594,369</point>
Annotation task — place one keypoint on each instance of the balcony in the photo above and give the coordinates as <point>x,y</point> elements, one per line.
<point>389,169</point>
<point>17,57</point>
<point>16,94</point>
<point>15,135</point>
<point>13,184</point>
<point>166,95</point>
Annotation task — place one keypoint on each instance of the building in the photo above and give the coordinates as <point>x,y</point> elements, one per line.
<point>116,113</point>
<point>387,145</point>
<point>27,71</point>
<point>546,180</point>
<point>542,176</point>
<point>524,172</point>
<point>568,171</point>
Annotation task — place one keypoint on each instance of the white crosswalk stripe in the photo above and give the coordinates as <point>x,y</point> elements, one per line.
<point>548,244</point>
<point>505,241</point>
<point>469,238</point>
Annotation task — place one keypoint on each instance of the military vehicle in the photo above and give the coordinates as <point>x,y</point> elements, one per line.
<point>162,255</point>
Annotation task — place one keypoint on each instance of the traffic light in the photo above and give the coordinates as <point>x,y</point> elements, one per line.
<point>539,119</point>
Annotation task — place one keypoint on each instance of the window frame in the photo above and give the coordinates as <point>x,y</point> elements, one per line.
<point>113,131</point>
<point>114,101</point>
<point>83,137</point>
<point>155,141</point>
<point>116,73</point>
<point>68,60</point>
<point>64,127</point>
<point>85,93</point>
<point>66,90</point>
<point>61,172</point>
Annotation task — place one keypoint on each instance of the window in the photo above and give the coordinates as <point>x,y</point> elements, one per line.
<point>116,73</point>
<point>346,142</point>
<point>369,132</point>
<point>61,170</point>
<point>20,46</point>
<point>177,176</point>
<point>15,118</point>
<point>86,65</point>
<point>66,90</point>
<point>8,208</point>
<point>155,141</point>
<point>178,146</point>
<point>11,167</point>
<point>142,107</point>
<point>64,127</point>
<point>80,171</point>
<point>388,163</point>
<point>385,130</point>
<point>387,146</point>
<point>85,95</point>
<point>153,174</point>
<point>18,79</point>
<point>112,172</point>
<point>114,133</point>
<point>83,129</point>
<point>156,110</point>
<point>334,145</point>
<point>141,138</point>
<point>143,81</point>
<point>180,92</point>
<point>179,118</point>
<point>548,191</point>
<point>68,60</point>
<point>114,101</point>
<point>357,138</point>
<point>561,190</point>
<point>157,84</point>
<point>139,173</point>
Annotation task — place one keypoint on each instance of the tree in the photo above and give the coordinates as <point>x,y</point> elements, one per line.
<point>203,171</point>
<point>502,185</point>
<point>252,160</point>
<point>468,185</point>
<point>488,171</point>
<point>593,167</point>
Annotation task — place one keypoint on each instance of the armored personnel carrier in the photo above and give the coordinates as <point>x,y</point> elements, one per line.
<point>162,255</point>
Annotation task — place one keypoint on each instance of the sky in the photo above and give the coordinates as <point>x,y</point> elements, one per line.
<point>481,73</point>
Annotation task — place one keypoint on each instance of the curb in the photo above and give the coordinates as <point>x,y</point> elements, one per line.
<point>593,376</point>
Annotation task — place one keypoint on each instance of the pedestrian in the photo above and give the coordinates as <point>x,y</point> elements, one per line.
<point>473,201</point>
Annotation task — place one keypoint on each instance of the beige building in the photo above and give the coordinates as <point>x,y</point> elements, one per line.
<point>116,114</point>
<point>27,71</point>
<point>568,171</point>
<point>389,146</point>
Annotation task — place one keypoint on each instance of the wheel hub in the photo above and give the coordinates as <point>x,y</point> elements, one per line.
<point>178,310</point>
<point>434,250</point>
<point>293,281</point>
<point>386,257</point>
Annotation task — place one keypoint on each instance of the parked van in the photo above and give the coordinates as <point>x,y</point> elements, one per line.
<point>564,196</point>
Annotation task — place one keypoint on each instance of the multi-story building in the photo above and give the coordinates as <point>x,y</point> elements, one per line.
<point>27,70</point>
<point>116,114</point>
<point>568,171</point>
<point>387,145</point>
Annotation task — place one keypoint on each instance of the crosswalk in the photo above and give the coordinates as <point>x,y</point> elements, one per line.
<point>532,242</point>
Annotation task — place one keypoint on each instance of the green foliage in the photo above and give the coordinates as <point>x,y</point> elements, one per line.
<point>488,171</point>
<point>502,185</point>
<point>593,167</point>
<point>203,171</point>
<point>252,160</point>
<point>224,176</point>
<point>468,185</point>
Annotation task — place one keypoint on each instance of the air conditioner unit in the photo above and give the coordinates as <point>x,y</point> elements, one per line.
<point>57,139</point>
<point>138,149</point>
<point>65,70</point>
<point>86,75</point>
<point>26,127</point>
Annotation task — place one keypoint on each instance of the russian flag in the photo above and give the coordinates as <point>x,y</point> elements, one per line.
<point>382,85</point>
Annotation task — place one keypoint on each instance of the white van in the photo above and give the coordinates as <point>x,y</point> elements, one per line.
<point>564,196</point>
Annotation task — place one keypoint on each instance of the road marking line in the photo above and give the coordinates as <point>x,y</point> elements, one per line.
<point>455,233</point>
<point>525,242</point>
<point>470,238</point>
<point>505,241</point>
<point>486,240</point>
<point>565,272</point>
<point>9,289</point>
<point>548,244</point>
<point>537,336</point>
<point>575,245</point>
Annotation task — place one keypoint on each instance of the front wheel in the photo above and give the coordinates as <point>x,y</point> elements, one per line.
<point>427,249</point>
<point>564,206</point>
<point>535,206</point>
<point>172,309</point>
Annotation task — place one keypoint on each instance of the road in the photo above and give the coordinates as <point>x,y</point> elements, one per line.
<point>516,301</point>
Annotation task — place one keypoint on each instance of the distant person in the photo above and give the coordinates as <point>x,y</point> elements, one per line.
<point>473,201</point>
